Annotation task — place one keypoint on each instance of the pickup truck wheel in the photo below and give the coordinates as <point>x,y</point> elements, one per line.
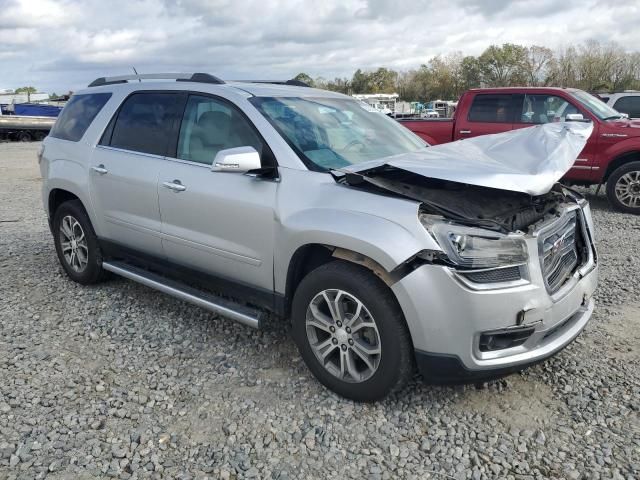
<point>76,243</point>
<point>623,188</point>
<point>351,332</point>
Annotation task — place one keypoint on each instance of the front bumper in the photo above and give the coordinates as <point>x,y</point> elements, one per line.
<point>447,318</point>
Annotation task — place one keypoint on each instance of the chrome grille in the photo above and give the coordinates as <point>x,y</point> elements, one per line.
<point>559,252</point>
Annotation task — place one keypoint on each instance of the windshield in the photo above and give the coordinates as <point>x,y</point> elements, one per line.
<point>595,105</point>
<point>332,133</point>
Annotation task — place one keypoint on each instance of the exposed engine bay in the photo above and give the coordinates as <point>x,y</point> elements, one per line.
<point>491,208</point>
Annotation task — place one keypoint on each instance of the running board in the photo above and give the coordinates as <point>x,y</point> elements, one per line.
<point>208,301</point>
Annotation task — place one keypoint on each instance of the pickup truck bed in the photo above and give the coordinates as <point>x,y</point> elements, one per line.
<point>432,130</point>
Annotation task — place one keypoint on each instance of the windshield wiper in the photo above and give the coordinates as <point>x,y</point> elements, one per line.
<point>613,117</point>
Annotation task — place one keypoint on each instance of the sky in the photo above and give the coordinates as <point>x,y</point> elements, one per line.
<point>62,45</point>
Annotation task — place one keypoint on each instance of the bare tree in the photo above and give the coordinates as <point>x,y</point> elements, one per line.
<point>536,64</point>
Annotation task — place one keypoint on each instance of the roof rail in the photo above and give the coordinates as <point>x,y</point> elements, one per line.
<point>293,82</point>
<point>178,77</point>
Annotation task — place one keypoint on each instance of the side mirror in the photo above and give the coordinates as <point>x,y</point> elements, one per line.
<point>575,117</point>
<point>236,160</point>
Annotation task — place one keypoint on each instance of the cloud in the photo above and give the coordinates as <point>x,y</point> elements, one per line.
<point>60,45</point>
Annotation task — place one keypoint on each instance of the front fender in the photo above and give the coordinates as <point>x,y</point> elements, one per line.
<point>621,148</point>
<point>387,242</point>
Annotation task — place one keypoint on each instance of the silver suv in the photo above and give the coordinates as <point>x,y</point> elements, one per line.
<point>253,198</point>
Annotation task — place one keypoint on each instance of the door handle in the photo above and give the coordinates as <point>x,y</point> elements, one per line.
<point>465,131</point>
<point>176,186</point>
<point>100,169</point>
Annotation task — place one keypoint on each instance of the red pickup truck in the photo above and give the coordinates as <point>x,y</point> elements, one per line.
<point>611,156</point>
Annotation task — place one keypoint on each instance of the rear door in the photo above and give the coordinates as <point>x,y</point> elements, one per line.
<point>220,223</point>
<point>125,168</point>
<point>489,113</point>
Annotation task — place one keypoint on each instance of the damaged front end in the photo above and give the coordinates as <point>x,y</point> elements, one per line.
<point>504,182</point>
<point>487,234</point>
<point>491,208</point>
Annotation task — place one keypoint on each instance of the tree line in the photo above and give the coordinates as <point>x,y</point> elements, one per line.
<point>593,66</point>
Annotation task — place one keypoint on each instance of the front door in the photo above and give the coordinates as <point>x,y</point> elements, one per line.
<point>125,167</point>
<point>536,109</point>
<point>220,223</point>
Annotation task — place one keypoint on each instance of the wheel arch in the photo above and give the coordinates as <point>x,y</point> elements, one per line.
<point>311,256</point>
<point>57,196</point>
<point>620,160</point>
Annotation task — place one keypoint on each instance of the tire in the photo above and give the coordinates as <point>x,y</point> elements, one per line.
<point>379,327</point>
<point>623,188</point>
<point>24,137</point>
<point>70,221</point>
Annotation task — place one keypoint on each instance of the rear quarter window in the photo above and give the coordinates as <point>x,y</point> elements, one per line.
<point>490,108</point>
<point>77,115</point>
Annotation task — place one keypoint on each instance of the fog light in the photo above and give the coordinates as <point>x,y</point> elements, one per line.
<point>490,342</point>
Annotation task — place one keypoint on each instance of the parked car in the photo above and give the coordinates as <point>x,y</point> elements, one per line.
<point>624,102</point>
<point>250,199</point>
<point>611,156</point>
<point>429,113</point>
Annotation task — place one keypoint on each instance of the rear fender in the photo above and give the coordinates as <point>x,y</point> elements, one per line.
<point>72,177</point>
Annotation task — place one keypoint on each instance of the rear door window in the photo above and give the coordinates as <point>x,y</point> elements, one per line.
<point>77,115</point>
<point>144,123</point>
<point>490,108</point>
<point>629,105</point>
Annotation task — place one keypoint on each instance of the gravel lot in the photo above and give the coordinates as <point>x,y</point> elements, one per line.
<point>120,381</point>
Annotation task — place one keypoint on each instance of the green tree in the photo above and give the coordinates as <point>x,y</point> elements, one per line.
<point>341,85</point>
<point>470,72</point>
<point>360,82</point>
<point>303,77</point>
<point>27,90</point>
<point>383,80</point>
<point>503,66</point>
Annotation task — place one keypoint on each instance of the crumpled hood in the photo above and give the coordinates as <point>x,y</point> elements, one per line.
<point>528,160</point>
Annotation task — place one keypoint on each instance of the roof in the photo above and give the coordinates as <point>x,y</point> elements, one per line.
<point>202,82</point>
<point>274,90</point>
<point>519,89</point>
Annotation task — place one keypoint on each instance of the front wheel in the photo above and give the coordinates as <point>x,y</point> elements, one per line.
<point>623,188</point>
<point>351,332</point>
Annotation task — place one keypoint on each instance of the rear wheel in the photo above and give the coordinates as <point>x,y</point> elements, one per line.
<point>24,137</point>
<point>351,332</point>
<point>76,243</point>
<point>623,188</point>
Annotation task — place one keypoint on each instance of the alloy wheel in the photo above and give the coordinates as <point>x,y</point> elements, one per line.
<point>73,244</point>
<point>343,335</point>
<point>627,189</point>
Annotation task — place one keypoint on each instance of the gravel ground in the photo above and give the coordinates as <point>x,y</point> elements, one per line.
<point>120,381</point>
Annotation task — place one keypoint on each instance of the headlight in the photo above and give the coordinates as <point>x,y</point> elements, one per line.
<point>476,248</point>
